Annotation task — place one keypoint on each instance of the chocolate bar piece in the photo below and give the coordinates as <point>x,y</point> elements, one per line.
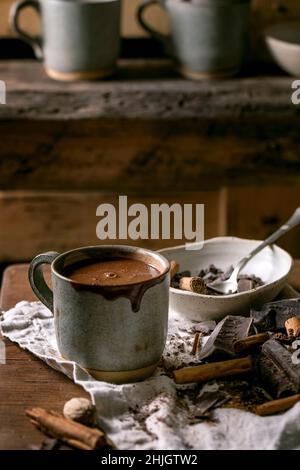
<point>279,373</point>
<point>227,332</point>
<point>273,315</point>
<point>205,327</point>
<point>208,401</point>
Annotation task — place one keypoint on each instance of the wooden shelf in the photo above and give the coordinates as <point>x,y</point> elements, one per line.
<point>142,90</point>
<point>147,133</point>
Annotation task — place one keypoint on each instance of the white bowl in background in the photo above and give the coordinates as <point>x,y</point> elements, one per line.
<point>272,265</point>
<point>283,42</point>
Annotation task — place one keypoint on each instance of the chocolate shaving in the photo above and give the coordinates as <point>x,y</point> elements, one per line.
<point>225,335</point>
<point>207,401</point>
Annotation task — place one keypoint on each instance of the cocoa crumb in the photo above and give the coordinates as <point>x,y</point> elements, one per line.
<point>283,338</point>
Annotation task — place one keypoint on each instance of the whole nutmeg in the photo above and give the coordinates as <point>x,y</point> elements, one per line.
<point>81,410</point>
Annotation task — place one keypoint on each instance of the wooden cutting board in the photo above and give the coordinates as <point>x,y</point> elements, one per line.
<point>26,381</point>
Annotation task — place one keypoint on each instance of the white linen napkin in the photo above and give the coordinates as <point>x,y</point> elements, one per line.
<point>150,414</point>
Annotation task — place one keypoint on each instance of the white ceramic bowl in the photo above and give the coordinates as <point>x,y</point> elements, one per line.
<point>283,42</point>
<point>272,265</point>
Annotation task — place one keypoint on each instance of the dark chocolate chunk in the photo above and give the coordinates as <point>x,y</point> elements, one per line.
<point>283,338</point>
<point>256,280</point>
<point>227,332</point>
<point>245,284</point>
<point>227,273</point>
<point>265,319</point>
<point>207,401</point>
<point>280,375</point>
<point>204,327</point>
<point>273,315</point>
<point>212,268</point>
<point>212,273</point>
<point>176,278</point>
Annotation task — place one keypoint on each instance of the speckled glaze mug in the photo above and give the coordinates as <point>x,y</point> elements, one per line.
<point>80,39</point>
<point>117,335</point>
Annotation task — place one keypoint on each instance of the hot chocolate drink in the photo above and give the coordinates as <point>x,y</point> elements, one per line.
<point>111,272</point>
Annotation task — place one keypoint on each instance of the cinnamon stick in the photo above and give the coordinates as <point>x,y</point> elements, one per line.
<point>250,342</point>
<point>215,370</point>
<point>174,268</point>
<point>195,344</point>
<point>75,434</point>
<point>277,406</point>
<point>192,284</point>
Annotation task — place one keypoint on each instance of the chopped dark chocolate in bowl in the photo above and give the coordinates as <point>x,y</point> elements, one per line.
<point>212,274</point>
<point>175,281</point>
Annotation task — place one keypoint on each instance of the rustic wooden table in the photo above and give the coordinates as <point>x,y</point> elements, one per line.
<point>26,381</point>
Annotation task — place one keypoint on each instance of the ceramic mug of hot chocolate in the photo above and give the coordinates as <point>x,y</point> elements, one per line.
<point>80,39</point>
<point>110,306</point>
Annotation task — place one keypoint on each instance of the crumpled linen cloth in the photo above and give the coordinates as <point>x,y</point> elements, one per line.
<point>148,415</point>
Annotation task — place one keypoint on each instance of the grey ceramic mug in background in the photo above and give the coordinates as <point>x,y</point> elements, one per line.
<point>105,334</point>
<point>208,37</point>
<point>80,39</point>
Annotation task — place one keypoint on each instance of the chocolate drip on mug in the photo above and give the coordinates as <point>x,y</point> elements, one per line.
<point>115,278</point>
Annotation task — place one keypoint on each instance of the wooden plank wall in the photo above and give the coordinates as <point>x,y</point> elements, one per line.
<point>36,221</point>
<point>130,28</point>
<point>244,211</point>
<point>259,210</point>
<point>55,171</point>
<point>264,12</point>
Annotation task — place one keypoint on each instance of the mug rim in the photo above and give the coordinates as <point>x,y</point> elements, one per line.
<point>128,248</point>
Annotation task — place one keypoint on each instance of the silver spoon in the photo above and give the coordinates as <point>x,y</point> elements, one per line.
<point>230,286</point>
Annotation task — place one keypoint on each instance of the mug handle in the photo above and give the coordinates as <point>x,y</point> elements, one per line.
<point>34,42</point>
<point>164,38</point>
<point>37,280</point>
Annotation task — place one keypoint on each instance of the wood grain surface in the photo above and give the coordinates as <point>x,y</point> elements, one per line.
<point>36,221</point>
<point>139,134</point>
<point>25,381</point>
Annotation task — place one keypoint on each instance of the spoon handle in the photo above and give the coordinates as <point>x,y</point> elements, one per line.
<point>293,221</point>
